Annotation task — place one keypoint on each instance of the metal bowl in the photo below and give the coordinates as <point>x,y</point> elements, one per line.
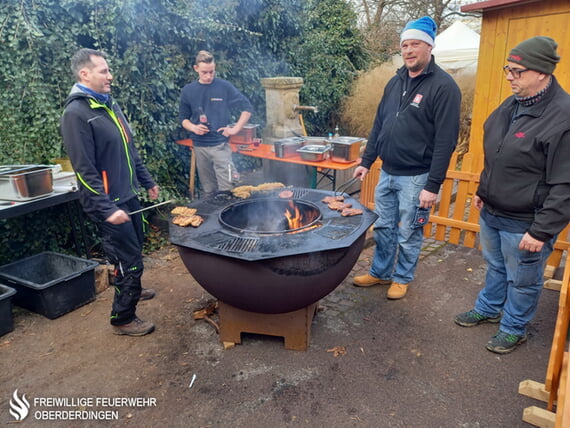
<point>314,152</point>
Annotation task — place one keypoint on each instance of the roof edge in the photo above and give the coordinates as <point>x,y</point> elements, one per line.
<point>493,4</point>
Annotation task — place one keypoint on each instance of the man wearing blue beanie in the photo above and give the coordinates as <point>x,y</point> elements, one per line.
<point>414,134</point>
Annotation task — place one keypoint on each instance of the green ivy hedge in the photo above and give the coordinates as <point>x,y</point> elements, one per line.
<point>151,46</point>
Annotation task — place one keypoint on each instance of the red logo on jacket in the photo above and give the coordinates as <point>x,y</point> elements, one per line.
<point>520,135</point>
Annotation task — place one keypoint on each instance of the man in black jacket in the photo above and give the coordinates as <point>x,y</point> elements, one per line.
<point>100,145</point>
<point>414,134</point>
<point>524,192</point>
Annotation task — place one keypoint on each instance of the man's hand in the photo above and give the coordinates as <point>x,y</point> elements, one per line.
<point>528,243</point>
<point>118,217</point>
<point>200,129</point>
<point>427,199</point>
<point>478,202</point>
<point>228,131</point>
<point>153,193</point>
<point>360,172</point>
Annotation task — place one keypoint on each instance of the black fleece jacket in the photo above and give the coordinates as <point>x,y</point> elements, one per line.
<point>99,142</point>
<point>526,175</point>
<point>415,130</point>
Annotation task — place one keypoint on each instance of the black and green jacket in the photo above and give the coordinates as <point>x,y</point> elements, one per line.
<point>99,142</point>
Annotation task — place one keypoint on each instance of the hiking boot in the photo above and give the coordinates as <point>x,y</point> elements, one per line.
<point>147,294</point>
<point>368,280</point>
<point>397,291</point>
<point>136,327</point>
<point>473,318</point>
<point>503,343</point>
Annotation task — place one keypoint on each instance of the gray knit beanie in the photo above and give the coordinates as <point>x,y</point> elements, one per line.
<point>537,53</point>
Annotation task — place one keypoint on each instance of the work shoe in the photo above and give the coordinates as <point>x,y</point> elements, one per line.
<point>397,291</point>
<point>147,294</point>
<point>503,343</point>
<point>472,318</point>
<point>368,280</point>
<point>136,327</point>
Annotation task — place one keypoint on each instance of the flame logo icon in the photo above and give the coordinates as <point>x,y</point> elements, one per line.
<point>20,407</point>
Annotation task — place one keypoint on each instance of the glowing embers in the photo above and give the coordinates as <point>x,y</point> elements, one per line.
<point>270,216</point>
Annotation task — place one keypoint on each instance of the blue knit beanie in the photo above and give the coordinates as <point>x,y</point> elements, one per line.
<point>423,29</point>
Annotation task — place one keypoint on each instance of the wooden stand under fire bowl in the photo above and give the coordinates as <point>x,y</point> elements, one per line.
<point>294,327</point>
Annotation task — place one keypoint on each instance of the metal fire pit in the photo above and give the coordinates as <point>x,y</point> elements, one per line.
<point>259,268</point>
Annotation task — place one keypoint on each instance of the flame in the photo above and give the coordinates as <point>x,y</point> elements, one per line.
<point>294,217</point>
<point>19,408</point>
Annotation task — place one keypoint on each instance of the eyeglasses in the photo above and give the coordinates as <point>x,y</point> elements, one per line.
<point>516,72</point>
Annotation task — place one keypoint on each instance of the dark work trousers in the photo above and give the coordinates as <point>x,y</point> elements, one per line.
<point>122,244</point>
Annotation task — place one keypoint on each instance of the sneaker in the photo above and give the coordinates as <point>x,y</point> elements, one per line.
<point>473,318</point>
<point>503,343</point>
<point>136,327</point>
<point>147,294</point>
<point>397,291</point>
<point>368,280</point>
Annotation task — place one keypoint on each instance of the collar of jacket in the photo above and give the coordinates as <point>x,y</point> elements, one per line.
<point>538,108</point>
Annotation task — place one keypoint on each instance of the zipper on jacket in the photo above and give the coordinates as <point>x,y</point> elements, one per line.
<point>122,131</point>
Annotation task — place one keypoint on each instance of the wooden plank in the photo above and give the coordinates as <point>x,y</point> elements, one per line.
<point>554,369</point>
<point>533,389</point>
<point>453,223</point>
<point>539,417</point>
<point>562,410</point>
<point>460,207</point>
<point>553,284</point>
<point>444,207</point>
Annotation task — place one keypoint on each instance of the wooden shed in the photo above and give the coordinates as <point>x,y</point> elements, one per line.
<point>506,23</point>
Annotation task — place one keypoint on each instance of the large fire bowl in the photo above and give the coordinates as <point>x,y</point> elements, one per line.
<point>269,270</point>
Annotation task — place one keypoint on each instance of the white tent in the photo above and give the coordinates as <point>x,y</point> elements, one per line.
<point>457,48</point>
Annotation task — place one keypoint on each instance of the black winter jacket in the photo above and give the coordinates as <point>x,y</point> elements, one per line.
<point>99,142</point>
<point>416,128</point>
<point>526,175</point>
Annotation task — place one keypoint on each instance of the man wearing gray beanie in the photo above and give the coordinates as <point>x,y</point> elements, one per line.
<point>414,133</point>
<point>524,192</point>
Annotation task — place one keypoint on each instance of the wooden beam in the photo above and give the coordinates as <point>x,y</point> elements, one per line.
<point>533,389</point>
<point>539,417</point>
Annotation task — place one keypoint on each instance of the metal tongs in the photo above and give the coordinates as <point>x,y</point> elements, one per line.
<point>340,189</point>
<point>151,206</point>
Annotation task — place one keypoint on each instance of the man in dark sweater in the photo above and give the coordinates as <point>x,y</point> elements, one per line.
<point>524,192</point>
<point>205,110</point>
<point>414,134</point>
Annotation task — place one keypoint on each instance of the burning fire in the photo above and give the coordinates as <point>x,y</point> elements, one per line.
<point>297,219</point>
<point>294,216</point>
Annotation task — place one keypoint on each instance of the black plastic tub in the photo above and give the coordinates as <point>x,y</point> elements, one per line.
<point>51,284</point>
<point>6,320</point>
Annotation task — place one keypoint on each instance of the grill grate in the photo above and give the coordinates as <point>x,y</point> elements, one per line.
<point>238,245</point>
<point>298,193</point>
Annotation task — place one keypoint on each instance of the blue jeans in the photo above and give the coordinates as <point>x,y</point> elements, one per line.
<point>514,278</point>
<point>398,245</point>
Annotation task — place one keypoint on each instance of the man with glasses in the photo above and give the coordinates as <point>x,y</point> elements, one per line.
<point>524,192</point>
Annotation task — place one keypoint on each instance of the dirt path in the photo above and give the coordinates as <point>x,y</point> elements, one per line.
<point>405,363</point>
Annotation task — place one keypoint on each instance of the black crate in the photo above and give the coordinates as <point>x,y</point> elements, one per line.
<point>51,284</point>
<point>6,320</point>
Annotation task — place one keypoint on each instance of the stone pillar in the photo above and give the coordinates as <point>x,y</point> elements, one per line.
<point>281,94</point>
